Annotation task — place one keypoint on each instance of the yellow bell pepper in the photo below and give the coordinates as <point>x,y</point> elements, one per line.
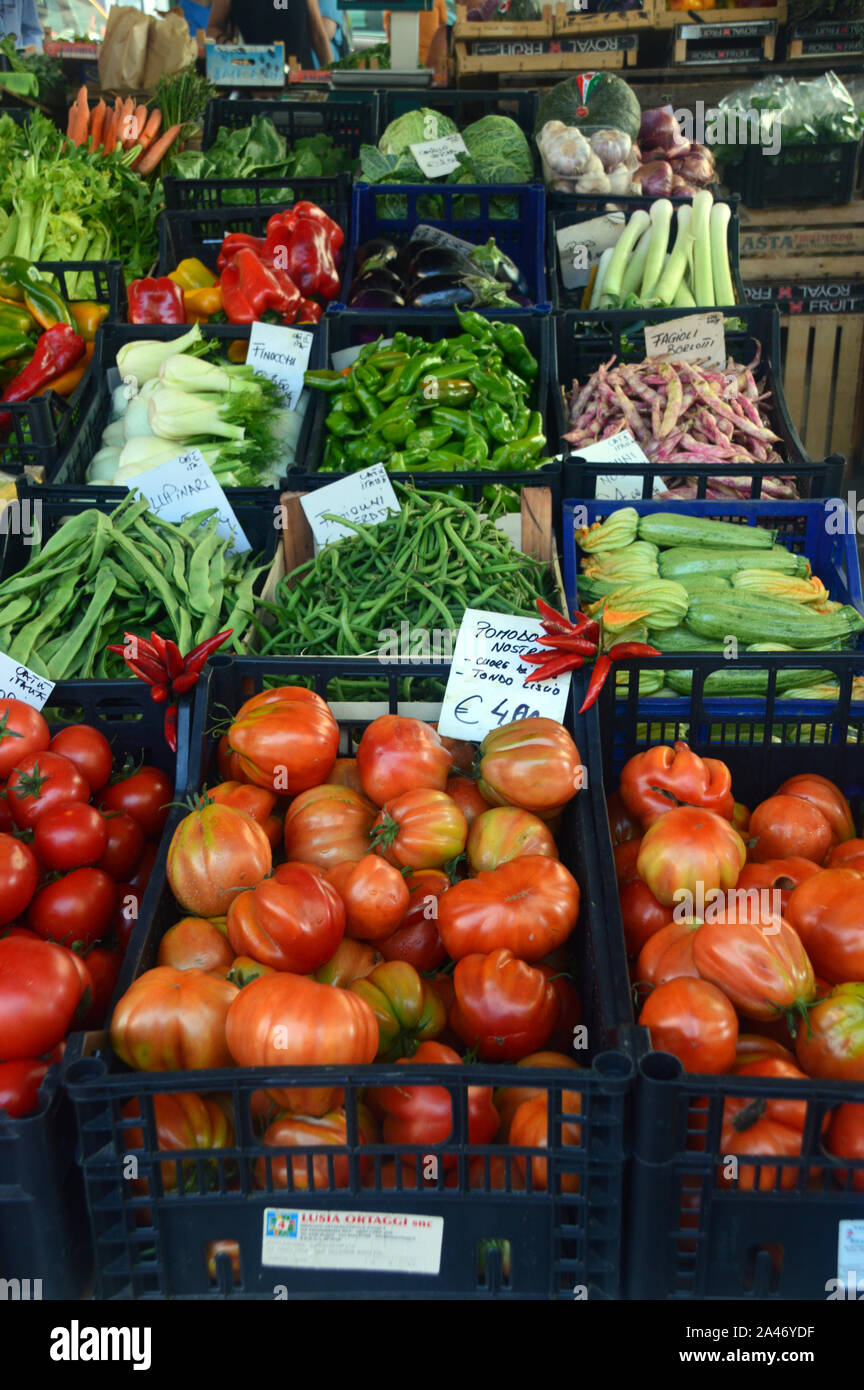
<point>193,274</point>
<point>203,303</point>
<point>87,317</point>
<point>237,350</point>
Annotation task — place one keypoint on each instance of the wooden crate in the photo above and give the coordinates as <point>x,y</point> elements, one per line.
<point>465,29</point>
<point>823,370</point>
<point>803,243</point>
<point>550,55</point>
<point>713,43</point>
<point>737,14</point>
<point>609,21</point>
<point>826,39</point>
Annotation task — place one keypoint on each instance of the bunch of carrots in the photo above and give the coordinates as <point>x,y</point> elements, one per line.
<point>124,125</point>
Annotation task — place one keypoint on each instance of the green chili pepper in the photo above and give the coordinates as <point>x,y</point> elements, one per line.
<point>364,375</point>
<point>451,391</point>
<point>334,455</point>
<point>415,367</point>
<point>512,343</point>
<point>399,410</point>
<point>497,423</point>
<point>387,359</point>
<point>432,437</point>
<point>390,390</point>
<point>397,431</point>
<point>475,324</point>
<point>495,387</point>
<point>338,422</point>
<point>475,450</point>
<point>324,380</point>
<point>459,421</point>
<point>367,400</point>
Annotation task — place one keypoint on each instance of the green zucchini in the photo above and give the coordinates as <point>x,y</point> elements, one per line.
<point>688,559</point>
<point>769,620</point>
<point>739,681</point>
<point>705,583</point>
<point>590,590</point>
<point>677,528</point>
<point>681,639</point>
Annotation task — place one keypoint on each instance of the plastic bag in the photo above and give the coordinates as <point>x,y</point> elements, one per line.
<point>818,112</point>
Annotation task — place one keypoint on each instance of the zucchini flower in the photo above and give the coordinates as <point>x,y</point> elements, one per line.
<point>618,530</point>
<point>772,584</point>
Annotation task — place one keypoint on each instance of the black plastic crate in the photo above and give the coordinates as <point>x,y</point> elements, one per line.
<point>349,123</point>
<point>199,232</point>
<point>20,114</point>
<point>43,427</point>
<point>344,330</point>
<point>583,207</point>
<point>68,477</point>
<point>586,339</point>
<point>688,1238</point>
<point>44,1231</point>
<point>799,174</point>
<point>462,105</point>
<point>204,195</point>
<point>557,1242</point>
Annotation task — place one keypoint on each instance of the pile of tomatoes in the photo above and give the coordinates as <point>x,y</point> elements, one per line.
<point>765,978</point>
<point>77,844</point>
<point>406,905</point>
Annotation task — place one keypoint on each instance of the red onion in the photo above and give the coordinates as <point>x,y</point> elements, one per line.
<point>660,131</point>
<point>655,179</point>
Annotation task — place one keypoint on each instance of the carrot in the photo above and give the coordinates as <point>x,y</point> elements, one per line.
<point>140,118</point>
<point>97,120</point>
<point>158,149</point>
<point>112,127</point>
<point>70,119</point>
<point>151,129</point>
<point>80,122</point>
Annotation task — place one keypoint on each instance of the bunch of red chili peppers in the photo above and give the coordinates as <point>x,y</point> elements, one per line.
<point>161,664</point>
<point>565,646</point>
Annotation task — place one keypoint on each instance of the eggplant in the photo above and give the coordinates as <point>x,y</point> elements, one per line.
<point>438,260</point>
<point>380,251</point>
<point>376,299</point>
<point>439,292</point>
<point>496,263</point>
<point>381,279</point>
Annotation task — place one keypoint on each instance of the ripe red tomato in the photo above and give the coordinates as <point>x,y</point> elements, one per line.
<point>626,855</point>
<point>662,779</point>
<point>184,1120</point>
<point>503,1007</point>
<point>465,792</point>
<point>694,1021</point>
<point>193,943</point>
<point>397,755</point>
<point>286,739</point>
<point>146,863</point>
<point>569,1016</point>
<point>417,939</point>
<point>352,960</point>
<point>827,910</point>
<point>786,826</point>
<point>462,753</point>
<point>849,855</point>
<point>758,962</point>
<point>103,968</point>
<point>306,1132</point>
<point>832,1046</point>
<point>775,876</point>
<point>641,914</point>
<point>530,905</point>
<point>19,874</point>
<point>38,783</point>
<point>532,763</point>
<point>289,1021</point>
<point>845,1138</point>
<point>23,731</point>
<point>292,921</point>
<point>509,1098</point>
<point>19,1086</point>
<point>422,1114</point>
<point>71,836</point>
<point>828,797</point>
<point>622,826</point>
<point>173,1020</point>
<point>127,906</point>
<point>529,1129</point>
<point>344,774</point>
<point>124,848</point>
<point>257,802</point>
<point>228,765</point>
<point>754,1047</point>
<point>668,955</point>
<point>40,991</point>
<point>215,854</point>
<point>689,850</point>
<point>422,829</point>
<point>506,833</point>
<point>767,1127</point>
<point>75,910</point>
<point>375,895</point>
<point>145,796</point>
<point>327,825</point>
<point>88,749</point>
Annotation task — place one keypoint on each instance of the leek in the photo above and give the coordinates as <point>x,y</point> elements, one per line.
<point>636,265</point>
<point>600,279</point>
<point>140,360</point>
<point>676,267</point>
<point>174,414</point>
<point>700,231</point>
<point>683,298</point>
<point>661,222</point>
<point>616,264</point>
<point>719,234</point>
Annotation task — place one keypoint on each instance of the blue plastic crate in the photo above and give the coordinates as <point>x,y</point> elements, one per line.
<point>522,237</point>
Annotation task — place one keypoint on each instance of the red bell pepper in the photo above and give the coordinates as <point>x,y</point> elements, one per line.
<point>57,351</point>
<point>310,312</point>
<point>306,255</point>
<point>156,301</point>
<point>251,289</point>
<point>288,220</point>
<point>234,242</point>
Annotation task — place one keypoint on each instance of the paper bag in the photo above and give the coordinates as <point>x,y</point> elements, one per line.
<point>170,49</point>
<point>123,54</point>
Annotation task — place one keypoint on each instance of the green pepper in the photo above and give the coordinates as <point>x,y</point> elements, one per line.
<point>324,380</point>
<point>497,389</point>
<point>432,437</point>
<point>415,367</point>
<point>475,324</point>
<point>339,422</point>
<point>401,343</point>
<point>397,431</point>
<point>334,455</point>
<point>366,376</point>
<point>445,459</point>
<point>502,499</point>
<point>498,423</point>
<point>450,391</point>
<point>521,421</point>
<point>459,421</point>
<point>521,452</point>
<point>387,359</point>
<point>367,400</point>
<point>511,341</point>
<point>401,409</point>
<point>367,450</point>
<point>475,450</point>
<point>390,390</point>
<point>14,318</point>
<point>21,280</point>
<point>348,402</point>
<point>14,344</point>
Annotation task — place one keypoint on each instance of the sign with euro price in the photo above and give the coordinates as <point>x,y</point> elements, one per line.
<point>364,498</point>
<point>186,485</point>
<point>282,354</point>
<point>486,686</point>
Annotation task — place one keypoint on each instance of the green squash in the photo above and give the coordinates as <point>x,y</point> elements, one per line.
<point>601,101</point>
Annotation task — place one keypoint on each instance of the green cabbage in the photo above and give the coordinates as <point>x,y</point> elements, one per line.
<point>414,128</point>
<point>498,152</point>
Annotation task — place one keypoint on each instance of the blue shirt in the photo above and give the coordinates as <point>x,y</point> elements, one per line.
<point>19,17</point>
<point>329,10</point>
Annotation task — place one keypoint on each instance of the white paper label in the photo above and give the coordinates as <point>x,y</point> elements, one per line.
<point>694,338</point>
<point>186,485</point>
<point>618,448</point>
<point>850,1256</point>
<point>366,497</point>
<point>395,1242</point>
<point>346,357</point>
<point>439,157</point>
<point>282,354</point>
<point>581,246</point>
<point>18,682</point>
<point>436,236</point>
<point>485,688</point>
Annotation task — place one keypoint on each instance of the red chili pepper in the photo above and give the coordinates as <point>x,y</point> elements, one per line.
<point>586,627</point>
<point>205,649</point>
<point>184,682</point>
<point>169,726</point>
<point>569,642</point>
<point>159,647</point>
<point>147,670</point>
<point>556,667</point>
<point>602,667</point>
<point>536,658</point>
<point>57,351</point>
<point>552,618</point>
<point>173,659</point>
<point>159,693</point>
<point>622,650</point>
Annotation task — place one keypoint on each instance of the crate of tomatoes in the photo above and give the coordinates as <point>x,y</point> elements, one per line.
<point>341,929</point>
<point>86,786</point>
<point>739,855</point>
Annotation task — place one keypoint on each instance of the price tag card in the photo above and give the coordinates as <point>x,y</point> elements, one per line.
<point>618,448</point>
<point>282,354</point>
<point>366,497</point>
<point>439,157</point>
<point>694,338</point>
<point>580,247</point>
<point>186,485</point>
<point>436,236</point>
<point>346,357</point>
<point>18,682</point>
<point>485,688</point>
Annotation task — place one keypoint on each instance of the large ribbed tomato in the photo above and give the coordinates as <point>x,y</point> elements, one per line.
<point>661,779</point>
<point>764,1127</point>
<point>846,1139</point>
<point>289,1021</point>
<point>292,921</point>
<point>505,833</point>
<point>775,877</point>
<point>422,829</point>
<point>418,1113</point>
<point>308,1132</point>
<point>690,851</point>
<point>502,1006</point>
<point>641,914</point>
<point>417,939</point>
<point>827,911</point>
<point>286,739</point>
<point>827,796</point>
<point>327,825</point>
<point>397,755</point>
<point>465,792</point>
<point>529,1129</point>
<point>257,802</point>
<point>848,855</point>
<point>786,826</point>
<point>832,1044</point>
<point>375,895</point>
<point>509,1098</point>
<point>216,853</point>
<point>532,763</point>
<point>193,943</point>
<point>530,905</point>
<point>758,961</point>
<point>184,1120</point>
<point>173,1020</point>
<point>352,960</point>
<point>408,1010</point>
<point>694,1021</point>
<point>668,955</point>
